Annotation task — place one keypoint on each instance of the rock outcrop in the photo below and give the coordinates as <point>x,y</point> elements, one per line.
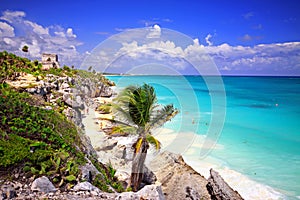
<point>178,180</point>
<point>219,189</point>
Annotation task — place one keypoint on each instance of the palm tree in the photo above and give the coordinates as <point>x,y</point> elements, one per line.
<point>138,110</point>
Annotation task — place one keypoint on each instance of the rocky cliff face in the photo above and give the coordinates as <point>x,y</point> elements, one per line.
<point>178,180</point>
<point>219,189</point>
<point>70,94</point>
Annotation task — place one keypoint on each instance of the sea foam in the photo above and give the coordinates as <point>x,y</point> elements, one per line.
<point>248,188</point>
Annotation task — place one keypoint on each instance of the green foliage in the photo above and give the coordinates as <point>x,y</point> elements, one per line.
<point>14,149</point>
<point>106,178</point>
<point>39,141</point>
<point>138,108</point>
<point>111,170</point>
<point>71,178</point>
<point>12,66</point>
<point>152,140</point>
<point>105,108</point>
<point>100,182</point>
<point>43,142</point>
<point>122,130</point>
<point>25,48</point>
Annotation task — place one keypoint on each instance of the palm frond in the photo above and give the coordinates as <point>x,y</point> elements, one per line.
<point>136,104</point>
<point>138,145</point>
<point>121,113</point>
<point>162,116</point>
<point>122,130</point>
<point>152,140</point>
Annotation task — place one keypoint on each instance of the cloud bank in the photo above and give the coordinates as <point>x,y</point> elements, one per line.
<point>16,31</point>
<point>263,59</point>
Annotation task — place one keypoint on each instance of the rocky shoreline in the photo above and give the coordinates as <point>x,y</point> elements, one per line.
<point>166,177</point>
<point>177,179</point>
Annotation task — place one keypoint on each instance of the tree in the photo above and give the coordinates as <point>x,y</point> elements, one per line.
<point>25,49</point>
<point>138,110</point>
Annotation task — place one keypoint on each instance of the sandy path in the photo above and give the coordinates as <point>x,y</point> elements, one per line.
<point>92,130</point>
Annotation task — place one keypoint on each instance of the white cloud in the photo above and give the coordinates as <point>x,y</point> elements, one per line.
<point>127,50</point>
<point>9,41</point>
<point>39,39</point>
<point>70,33</point>
<point>279,58</point>
<point>268,58</point>
<point>155,32</point>
<point>6,30</point>
<point>12,16</point>
<point>225,68</point>
<point>207,39</point>
<point>38,29</point>
<point>60,34</point>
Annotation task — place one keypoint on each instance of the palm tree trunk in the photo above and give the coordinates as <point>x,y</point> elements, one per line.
<point>138,166</point>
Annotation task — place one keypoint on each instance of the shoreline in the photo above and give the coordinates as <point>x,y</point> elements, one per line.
<point>246,187</point>
<point>92,122</point>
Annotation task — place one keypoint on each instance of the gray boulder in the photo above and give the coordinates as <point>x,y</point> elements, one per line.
<point>219,189</point>
<point>43,184</point>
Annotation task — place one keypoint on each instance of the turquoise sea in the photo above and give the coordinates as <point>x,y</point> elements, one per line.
<point>260,136</point>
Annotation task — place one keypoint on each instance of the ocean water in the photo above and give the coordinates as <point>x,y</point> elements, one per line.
<point>258,148</point>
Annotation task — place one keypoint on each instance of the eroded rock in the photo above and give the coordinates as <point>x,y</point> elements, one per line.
<point>219,189</point>
<point>179,180</point>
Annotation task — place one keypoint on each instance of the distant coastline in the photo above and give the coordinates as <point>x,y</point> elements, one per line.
<point>191,75</point>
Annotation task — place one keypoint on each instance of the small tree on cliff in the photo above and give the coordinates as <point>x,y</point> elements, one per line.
<point>25,49</point>
<point>138,108</point>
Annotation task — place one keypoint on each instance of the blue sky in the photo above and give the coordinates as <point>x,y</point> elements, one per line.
<point>258,37</point>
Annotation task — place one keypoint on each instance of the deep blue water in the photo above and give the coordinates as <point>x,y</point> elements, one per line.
<point>260,136</point>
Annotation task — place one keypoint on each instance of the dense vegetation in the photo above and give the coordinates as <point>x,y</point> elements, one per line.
<point>41,142</point>
<point>35,141</point>
<point>13,66</point>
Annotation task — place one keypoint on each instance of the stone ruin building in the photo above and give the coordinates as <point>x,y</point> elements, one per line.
<point>49,61</point>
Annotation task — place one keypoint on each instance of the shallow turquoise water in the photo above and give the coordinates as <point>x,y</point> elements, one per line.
<point>261,136</point>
